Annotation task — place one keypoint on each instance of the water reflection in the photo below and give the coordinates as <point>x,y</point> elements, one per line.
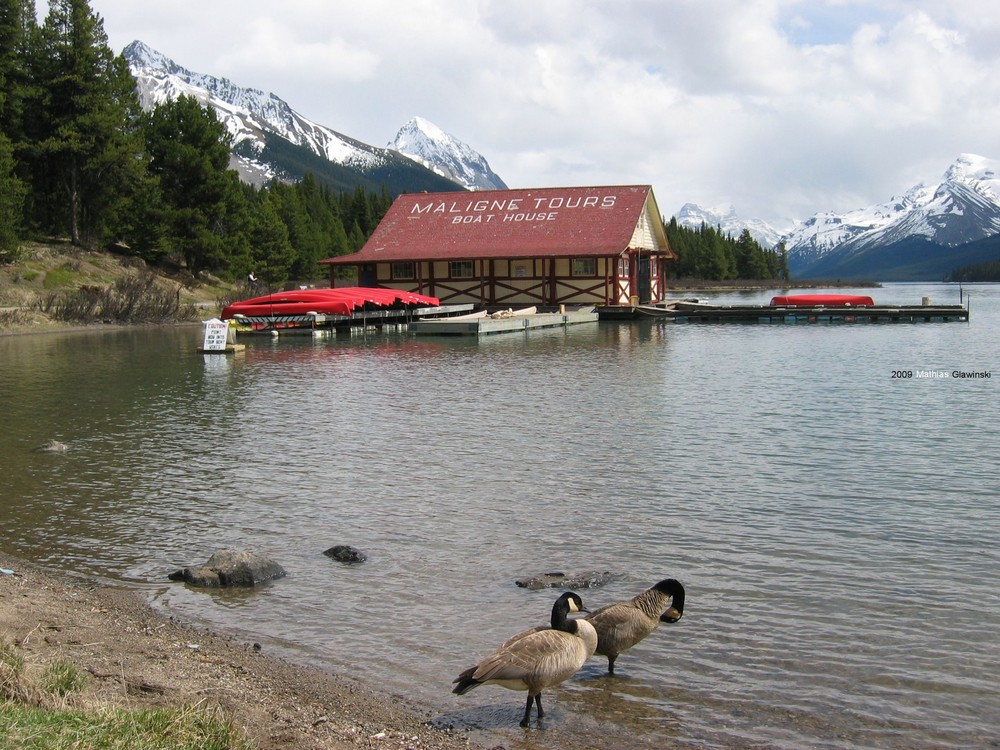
<point>834,528</point>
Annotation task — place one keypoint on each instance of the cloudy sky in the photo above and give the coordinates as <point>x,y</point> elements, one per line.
<point>782,108</point>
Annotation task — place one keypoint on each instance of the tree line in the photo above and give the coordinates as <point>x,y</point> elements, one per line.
<point>988,271</point>
<point>79,159</point>
<point>707,253</point>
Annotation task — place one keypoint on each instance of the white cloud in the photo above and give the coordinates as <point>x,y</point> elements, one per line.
<point>781,107</point>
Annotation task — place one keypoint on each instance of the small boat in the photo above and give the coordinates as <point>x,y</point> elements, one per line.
<point>466,316</point>
<point>657,311</point>
<point>510,313</point>
<point>822,300</point>
<point>692,304</point>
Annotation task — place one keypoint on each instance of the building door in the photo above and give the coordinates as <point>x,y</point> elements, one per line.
<point>642,280</point>
<point>367,276</point>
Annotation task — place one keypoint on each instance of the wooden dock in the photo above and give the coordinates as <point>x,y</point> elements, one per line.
<point>229,349</point>
<point>682,312</point>
<point>485,325</point>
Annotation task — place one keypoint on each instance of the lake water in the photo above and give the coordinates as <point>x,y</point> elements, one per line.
<point>836,528</point>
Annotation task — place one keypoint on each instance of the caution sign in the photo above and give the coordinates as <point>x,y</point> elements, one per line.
<point>216,335</point>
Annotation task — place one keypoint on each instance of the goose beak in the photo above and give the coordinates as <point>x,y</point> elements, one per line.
<point>671,615</point>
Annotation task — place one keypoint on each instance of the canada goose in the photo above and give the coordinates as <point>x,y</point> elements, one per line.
<point>621,625</point>
<point>538,658</point>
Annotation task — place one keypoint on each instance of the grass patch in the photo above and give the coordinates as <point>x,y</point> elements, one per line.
<point>36,717</point>
<point>62,678</point>
<point>11,672</point>
<point>11,318</point>
<point>60,277</point>
<point>197,728</point>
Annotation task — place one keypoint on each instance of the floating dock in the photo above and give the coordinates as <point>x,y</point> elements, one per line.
<point>692,312</point>
<point>229,349</point>
<point>484,325</point>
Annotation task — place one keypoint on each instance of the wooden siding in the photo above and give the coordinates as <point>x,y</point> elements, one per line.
<point>500,282</point>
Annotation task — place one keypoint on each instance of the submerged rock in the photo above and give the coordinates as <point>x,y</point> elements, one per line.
<point>586,580</point>
<point>346,554</point>
<point>51,446</point>
<point>231,568</point>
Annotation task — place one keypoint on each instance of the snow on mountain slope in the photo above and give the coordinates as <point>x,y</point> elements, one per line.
<point>724,217</point>
<point>426,143</point>
<point>247,113</point>
<point>963,207</point>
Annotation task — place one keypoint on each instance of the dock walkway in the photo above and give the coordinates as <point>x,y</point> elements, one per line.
<point>486,325</point>
<point>707,313</point>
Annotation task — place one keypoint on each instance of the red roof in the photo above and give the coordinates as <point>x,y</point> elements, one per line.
<point>572,221</point>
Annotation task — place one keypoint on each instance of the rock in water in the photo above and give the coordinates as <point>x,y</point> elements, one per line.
<point>51,446</point>
<point>231,568</point>
<point>346,554</point>
<point>587,580</point>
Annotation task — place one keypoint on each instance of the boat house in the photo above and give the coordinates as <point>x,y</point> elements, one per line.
<point>550,246</point>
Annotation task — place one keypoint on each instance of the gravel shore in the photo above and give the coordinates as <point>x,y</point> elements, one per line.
<point>132,656</point>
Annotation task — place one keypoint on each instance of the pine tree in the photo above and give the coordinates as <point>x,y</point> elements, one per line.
<point>11,203</point>
<point>17,29</point>
<point>189,156</point>
<point>84,154</point>
<point>270,249</point>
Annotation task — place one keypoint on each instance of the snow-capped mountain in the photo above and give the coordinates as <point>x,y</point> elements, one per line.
<point>962,208</point>
<point>445,154</point>
<point>725,219</point>
<point>255,119</point>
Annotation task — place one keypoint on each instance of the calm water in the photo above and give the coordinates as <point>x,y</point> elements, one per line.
<point>836,528</point>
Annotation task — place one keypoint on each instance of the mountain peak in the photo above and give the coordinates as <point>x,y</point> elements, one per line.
<point>427,144</point>
<point>272,140</point>
<point>962,208</point>
<point>142,55</point>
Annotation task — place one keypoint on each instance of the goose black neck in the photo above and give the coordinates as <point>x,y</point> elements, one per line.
<point>675,590</point>
<point>561,610</point>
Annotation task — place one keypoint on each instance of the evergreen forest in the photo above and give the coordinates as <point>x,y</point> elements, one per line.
<point>707,253</point>
<point>81,161</point>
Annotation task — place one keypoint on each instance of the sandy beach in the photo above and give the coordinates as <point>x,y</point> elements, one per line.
<point>132,656</point>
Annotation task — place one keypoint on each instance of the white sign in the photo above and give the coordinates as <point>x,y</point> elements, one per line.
<point>216,335</point>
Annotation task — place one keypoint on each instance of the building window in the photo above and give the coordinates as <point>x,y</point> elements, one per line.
<point>462,269</point>
<point>583,267</point>
<point>403,271</point>
<point>520,269</point>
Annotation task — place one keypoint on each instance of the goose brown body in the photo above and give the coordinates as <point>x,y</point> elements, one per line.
<point>622,625</point>
<point>536,659</point>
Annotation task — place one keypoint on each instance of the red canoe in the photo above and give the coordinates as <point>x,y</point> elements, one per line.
<point>343,301</point>
<point>823,300</point>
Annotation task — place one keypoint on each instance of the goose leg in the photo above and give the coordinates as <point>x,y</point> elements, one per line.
<point>611,664</point>
<point>538,705</point>
<point>527,711</point>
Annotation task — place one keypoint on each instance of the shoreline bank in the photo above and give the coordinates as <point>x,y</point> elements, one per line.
<point>135,657</point>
